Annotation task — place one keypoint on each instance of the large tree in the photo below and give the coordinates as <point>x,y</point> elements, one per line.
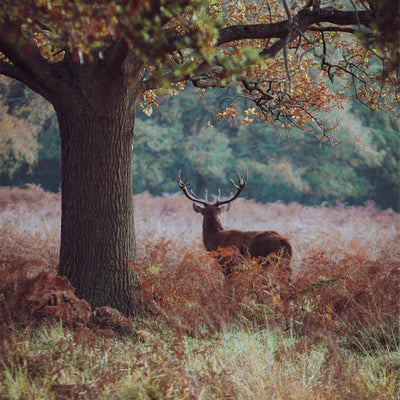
<point>95,61</point>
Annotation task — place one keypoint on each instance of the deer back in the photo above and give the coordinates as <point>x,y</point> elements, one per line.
<point>253,243</point>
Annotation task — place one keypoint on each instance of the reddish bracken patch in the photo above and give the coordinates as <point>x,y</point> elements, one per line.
<point>31,291</point>
<point>343,280</point>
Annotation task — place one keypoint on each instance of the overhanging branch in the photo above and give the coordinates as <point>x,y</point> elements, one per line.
<point>28,65</point>
<point>338,29</point>
<point>307,19</point>
<point>303,20</point>
<point>13,72</point>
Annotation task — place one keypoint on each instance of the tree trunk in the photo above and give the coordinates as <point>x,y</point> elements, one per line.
<point>97,226</point>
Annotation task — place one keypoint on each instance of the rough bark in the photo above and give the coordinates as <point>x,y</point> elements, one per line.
<point>95,104</point>
<point>97,227</point>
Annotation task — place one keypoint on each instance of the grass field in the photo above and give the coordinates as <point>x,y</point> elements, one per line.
<point>330,332</point>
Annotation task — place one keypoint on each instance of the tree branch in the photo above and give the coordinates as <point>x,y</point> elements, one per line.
<point>200,74</point>
<point>118,56</point>
<point>338,29</point>
<point>303,20</point>
<point>10,70</point>
<point>28,65</point>
<point>252,31</point>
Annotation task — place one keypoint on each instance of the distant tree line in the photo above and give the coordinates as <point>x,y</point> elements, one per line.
<point>185,134</point>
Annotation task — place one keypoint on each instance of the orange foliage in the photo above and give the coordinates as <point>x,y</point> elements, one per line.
<point>345,280</point>
<point>33,290</point>
<point>187,291</point>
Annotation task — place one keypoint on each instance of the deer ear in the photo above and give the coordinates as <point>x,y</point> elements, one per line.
<point>198,208</point>
<point>224,207</point>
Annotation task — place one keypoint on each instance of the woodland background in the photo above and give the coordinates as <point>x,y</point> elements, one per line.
<point>189,132</point>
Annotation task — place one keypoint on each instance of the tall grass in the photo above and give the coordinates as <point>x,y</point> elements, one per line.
<point>327,330</point>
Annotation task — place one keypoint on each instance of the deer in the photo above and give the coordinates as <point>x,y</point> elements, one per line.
<point>249,243</point>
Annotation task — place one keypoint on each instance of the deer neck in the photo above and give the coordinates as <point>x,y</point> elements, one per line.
<point>211,225</point>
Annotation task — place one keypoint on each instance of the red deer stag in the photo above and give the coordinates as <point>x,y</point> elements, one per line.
<point>253,243</point>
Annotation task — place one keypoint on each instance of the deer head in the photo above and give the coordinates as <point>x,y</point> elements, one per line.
<point>211,210</point>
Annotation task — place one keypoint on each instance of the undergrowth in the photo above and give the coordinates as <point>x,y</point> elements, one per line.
<point>325,328</point>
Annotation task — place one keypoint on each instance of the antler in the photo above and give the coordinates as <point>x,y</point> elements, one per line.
<point>193,197</point>
<point>239,187</point>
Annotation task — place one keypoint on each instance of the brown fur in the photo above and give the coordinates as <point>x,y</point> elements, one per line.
<point>258,244</point>
<point>253,243</point>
